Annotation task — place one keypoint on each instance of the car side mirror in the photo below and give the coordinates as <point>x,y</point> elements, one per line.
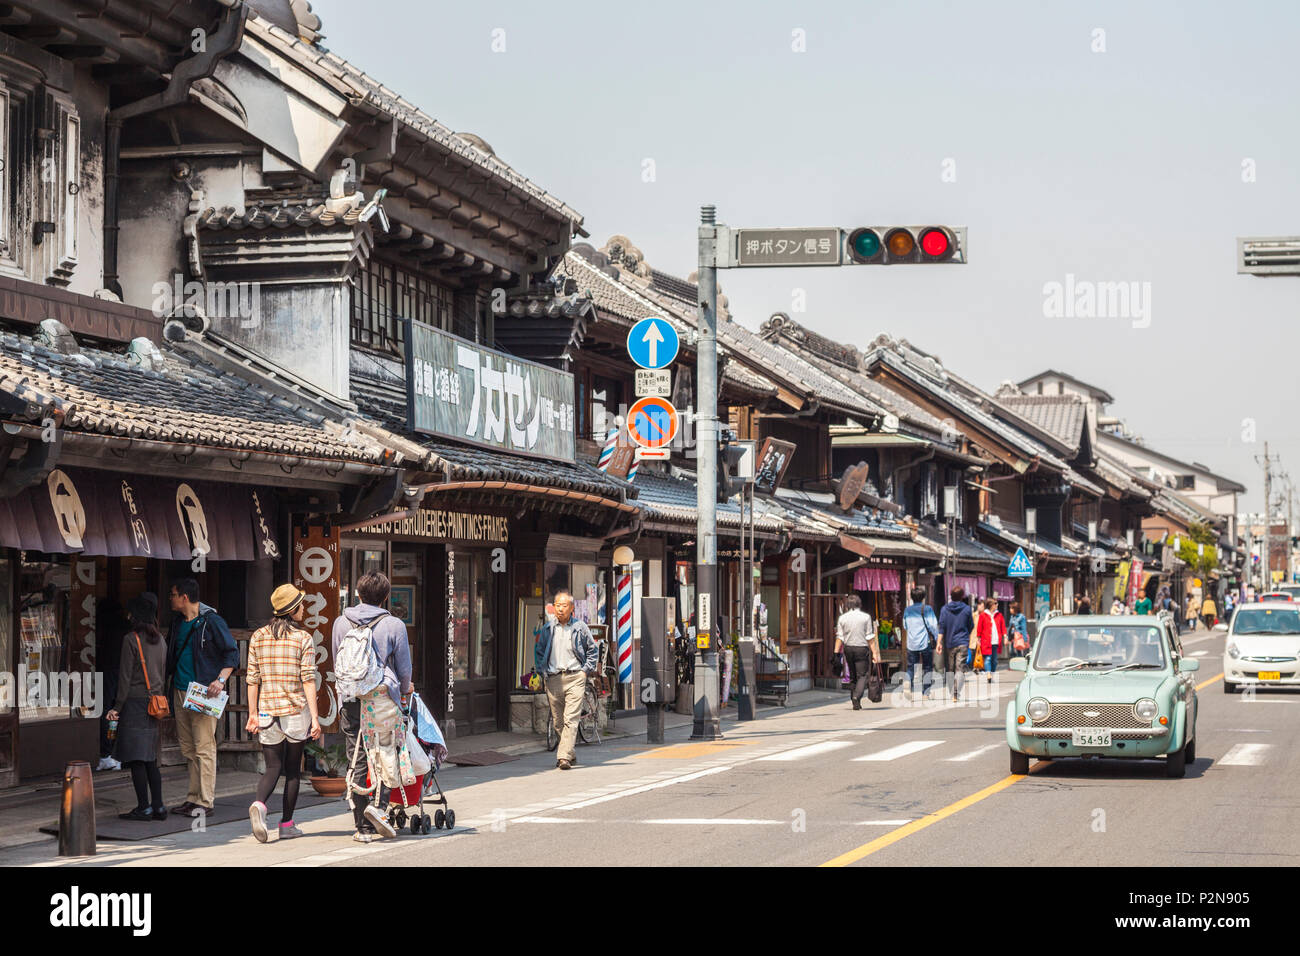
<point>1018,664</point>
<point>1189,664</point>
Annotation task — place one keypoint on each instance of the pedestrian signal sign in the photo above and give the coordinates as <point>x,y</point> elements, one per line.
<point>1020,566</point>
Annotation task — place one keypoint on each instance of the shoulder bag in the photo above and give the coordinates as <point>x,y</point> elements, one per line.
<point>158,706</point>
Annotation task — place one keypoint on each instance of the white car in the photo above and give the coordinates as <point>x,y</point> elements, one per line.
<point>1263,646</point>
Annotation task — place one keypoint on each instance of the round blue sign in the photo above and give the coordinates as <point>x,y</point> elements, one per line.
<point>652,343</point>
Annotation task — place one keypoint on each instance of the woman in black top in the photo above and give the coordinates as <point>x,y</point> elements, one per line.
<point>137,732</point>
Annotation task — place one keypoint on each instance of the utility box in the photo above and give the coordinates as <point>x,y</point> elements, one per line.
<point>658,661</point>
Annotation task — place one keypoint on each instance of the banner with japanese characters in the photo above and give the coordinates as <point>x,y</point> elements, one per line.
<point>316,574</point>
<point>463,391</point>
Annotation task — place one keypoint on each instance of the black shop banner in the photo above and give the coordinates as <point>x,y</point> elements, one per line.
<point>81,511</point>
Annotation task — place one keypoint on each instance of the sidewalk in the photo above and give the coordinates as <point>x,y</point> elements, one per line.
<point>35,804</point>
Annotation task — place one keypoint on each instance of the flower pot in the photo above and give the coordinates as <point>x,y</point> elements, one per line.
<point>330,786</point>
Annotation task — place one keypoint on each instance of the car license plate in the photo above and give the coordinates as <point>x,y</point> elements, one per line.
<point>1091,736</point>
<point>1270,675</point>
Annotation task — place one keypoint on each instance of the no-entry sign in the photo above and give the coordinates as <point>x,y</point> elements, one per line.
<point>652,422</point>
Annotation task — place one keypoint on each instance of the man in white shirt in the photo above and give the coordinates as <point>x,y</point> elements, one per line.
<point>853,637</point>
<point>565,653</point>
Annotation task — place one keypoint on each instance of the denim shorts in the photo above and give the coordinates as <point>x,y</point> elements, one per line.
<point>295,727</point>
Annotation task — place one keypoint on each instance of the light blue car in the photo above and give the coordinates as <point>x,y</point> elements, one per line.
<point>1105,686</point>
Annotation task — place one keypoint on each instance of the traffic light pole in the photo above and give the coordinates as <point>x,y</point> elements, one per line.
<point>706,722</point>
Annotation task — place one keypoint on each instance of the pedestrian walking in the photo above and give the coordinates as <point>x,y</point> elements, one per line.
<point>955,626</point>
<point>922,629</point>
<point>200,649</point>
<point>1082,606</point>
<point>991,628</point>
<point>1229,605</point>
<point>853,633</point>
<point>1019,627</point>
<point>281,682</point>
<point>1208,612</point>
<point>370,706</point>
<point>1191,614</point>
<point>142,662</point>
<point>1117,606</point>
<point>566,653</point>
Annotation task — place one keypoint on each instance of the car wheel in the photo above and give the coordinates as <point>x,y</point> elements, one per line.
<point>1190,748</point>
<point>1019,762</point>
<point>1229,688</point>
<point>1176,762</point>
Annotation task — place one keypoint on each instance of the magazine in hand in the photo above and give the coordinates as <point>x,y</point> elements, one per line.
<point>197,699</point>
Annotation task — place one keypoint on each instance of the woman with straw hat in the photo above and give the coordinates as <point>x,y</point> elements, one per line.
<point>281,683</point>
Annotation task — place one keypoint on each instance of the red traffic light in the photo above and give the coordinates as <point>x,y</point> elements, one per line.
<point>892,245</point>
<point>936,243</point>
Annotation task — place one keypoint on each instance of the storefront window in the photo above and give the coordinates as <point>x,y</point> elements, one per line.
<point>484,622</point>
<point>6,633</point>
<point>460,605</point>
<point>42,629</point>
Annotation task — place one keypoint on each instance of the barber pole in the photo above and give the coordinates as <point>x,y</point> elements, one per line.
<point>625,628</point>
<point>631,472</point>
<point>607,453</point>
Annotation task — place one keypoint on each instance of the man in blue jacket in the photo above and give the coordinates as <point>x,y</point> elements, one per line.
<point>922,633</point>
<point>955,626</point>
<point>566,654</point>
<point>200,649</point>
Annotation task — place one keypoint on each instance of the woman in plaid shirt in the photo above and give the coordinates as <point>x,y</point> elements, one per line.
<point>281,683</point>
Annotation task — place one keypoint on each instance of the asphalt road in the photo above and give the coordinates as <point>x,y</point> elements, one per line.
<point>896,783</point>
<point>892,784</point>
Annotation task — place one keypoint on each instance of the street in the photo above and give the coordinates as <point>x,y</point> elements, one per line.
<point>820,784</point>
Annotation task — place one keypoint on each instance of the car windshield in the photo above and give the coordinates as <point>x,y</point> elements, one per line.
<point>1099,647</point>
<point>1266,620</point>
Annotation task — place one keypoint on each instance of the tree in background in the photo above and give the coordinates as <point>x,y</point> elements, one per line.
<point>1202,560</point>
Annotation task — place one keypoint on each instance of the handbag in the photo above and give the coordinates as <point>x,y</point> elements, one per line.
<point>158,707</point>
<point>875,685</point>
<point>846,673</point>
<point>978,662</point>
<point>1019,644</point>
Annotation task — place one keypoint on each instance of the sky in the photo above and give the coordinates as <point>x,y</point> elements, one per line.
<point>1078,143</point>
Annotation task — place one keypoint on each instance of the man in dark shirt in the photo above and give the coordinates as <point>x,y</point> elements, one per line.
<point>955,626</point>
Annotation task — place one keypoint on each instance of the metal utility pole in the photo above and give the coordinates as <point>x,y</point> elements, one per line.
<point>706,724</point>
<point>1268,520</point>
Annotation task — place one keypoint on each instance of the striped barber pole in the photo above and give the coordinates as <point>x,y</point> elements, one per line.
<point>607,453</point>
<point>625,628</point>
<point>631,472</point>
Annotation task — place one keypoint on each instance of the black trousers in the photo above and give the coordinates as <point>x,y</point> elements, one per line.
<point>859,661</point>
<point>350,720</point>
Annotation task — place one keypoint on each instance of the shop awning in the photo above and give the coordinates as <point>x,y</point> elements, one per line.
<point>116,514</point>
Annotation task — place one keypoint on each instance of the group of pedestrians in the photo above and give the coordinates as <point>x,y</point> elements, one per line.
<point>155,673</point>
<point>961,635</point>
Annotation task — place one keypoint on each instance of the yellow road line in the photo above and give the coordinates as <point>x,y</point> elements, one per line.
<point>1207,683</point>
<point>687,750</point>
<point>894,836</point>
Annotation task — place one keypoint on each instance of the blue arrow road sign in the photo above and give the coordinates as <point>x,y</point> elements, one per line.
<point>1020,566</point>
<point>652,343</point>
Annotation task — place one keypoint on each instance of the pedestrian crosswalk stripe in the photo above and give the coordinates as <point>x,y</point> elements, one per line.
<point>811,750</point>
<point>883,823</point>
<point>1244,755</point>
<point>1199,653</point>
<point>902,750</point>
<point>971,755</point>
<point>718,821</point>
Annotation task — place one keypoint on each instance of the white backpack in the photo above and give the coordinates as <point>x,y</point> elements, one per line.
<point>357,668</point>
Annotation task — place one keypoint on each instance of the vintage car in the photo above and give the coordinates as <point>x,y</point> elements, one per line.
<point>1105,686</point>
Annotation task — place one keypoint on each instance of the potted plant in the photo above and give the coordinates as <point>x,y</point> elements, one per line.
<point>334,761</point>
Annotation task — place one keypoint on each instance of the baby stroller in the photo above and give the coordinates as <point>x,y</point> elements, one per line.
<point>428,750</point>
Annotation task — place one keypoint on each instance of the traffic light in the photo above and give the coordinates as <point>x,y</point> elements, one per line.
<point>730,455</point>
<point>889,245</point>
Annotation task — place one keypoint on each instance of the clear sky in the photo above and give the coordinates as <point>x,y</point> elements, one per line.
<point>1137,154</point>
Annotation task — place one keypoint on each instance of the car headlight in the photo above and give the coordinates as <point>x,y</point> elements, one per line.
<point>1233,652</point>
<point>1146,708</point>
<point>1038,709</point>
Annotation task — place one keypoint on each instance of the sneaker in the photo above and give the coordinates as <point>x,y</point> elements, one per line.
<point>380,822</point>
<point>288,831</point>
<point>257,816</point>
<point>360,837</point>
<point>108,763</point>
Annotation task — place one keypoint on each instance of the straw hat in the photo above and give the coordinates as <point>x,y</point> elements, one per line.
<point>285,600</point>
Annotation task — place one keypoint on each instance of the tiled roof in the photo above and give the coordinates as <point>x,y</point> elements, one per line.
<point>188,401</point>
<point>673,499</point>
<point>824,509</point>
<point>968,549</point>
<point>1018,538</point>
<point>1062,416</point>
<point>358,87</point>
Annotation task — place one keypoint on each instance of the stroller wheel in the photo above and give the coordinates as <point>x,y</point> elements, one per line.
<point>401,819</point>
<point>450,820</point>
<point>415,823</point>
<point>424,823</point>
<point>438,817</point>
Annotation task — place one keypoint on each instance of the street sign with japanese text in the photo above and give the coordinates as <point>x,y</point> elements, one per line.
<point>653,343</point>
<point>773,459</point>
<point>316,574</point>
<point>817,246</point>
<point>654,382</point>
<point>457,389</point>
